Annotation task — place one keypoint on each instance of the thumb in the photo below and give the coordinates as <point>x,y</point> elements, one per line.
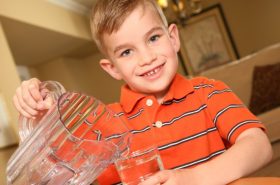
<point>46,103</point>
<point>159,178</point>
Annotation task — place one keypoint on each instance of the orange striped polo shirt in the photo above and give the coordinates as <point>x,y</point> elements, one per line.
<point>197,120</point>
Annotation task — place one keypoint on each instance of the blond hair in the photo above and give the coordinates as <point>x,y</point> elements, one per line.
<point>107,16</point>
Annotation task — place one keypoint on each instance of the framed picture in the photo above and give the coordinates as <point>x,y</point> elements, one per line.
<point>206,41</point>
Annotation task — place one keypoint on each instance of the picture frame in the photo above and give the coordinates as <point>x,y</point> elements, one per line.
<point>206,41</point>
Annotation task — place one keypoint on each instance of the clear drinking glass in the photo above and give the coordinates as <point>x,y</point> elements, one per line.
<point>139,165</point>
<point>72,143</point>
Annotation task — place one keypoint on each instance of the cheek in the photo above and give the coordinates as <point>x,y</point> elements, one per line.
<point>171,52</point>
<point>169,48</point>
<point>126,68</point>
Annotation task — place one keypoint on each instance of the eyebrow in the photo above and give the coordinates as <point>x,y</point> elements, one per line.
<point>146,35</point>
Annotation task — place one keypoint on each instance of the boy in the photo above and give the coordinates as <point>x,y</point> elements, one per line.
<point>204,133</point>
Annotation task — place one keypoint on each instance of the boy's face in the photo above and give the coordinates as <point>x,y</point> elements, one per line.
<point>143,52</point>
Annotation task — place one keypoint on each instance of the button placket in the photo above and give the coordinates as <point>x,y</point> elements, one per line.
<point>150,103</point>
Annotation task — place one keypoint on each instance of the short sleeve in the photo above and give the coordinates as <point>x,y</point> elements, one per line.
<point>229,114</point>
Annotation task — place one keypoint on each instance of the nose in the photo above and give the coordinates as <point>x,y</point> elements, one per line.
<point>147,56</point>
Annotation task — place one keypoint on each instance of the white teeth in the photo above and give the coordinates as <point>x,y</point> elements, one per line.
<point>152,72</point>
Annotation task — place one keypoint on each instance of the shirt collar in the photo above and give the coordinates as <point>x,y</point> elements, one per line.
<point>179,88</point>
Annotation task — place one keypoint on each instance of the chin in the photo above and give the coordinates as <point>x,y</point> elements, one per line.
<point>159,90</point>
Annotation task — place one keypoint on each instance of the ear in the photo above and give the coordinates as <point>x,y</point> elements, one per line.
<point>110,68</point>
<point>174,36</point>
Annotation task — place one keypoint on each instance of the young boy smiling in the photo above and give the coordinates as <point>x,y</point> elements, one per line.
<point>204,133</point>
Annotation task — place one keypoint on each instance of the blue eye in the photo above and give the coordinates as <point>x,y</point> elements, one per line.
<point>126,53</point>
<point>154,38</point>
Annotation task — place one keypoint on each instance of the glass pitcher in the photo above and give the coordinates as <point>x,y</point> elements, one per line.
<point>72,143</point>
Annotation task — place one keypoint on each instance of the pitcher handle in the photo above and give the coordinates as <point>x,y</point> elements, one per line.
<point>26,125</point>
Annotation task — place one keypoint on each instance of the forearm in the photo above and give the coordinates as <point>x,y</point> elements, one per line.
<point>251,151</point>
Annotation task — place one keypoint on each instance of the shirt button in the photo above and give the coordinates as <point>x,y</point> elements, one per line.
<point>149,102</point>
<point>158,124</point>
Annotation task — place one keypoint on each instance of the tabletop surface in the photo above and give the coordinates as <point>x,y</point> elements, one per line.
<point>257,181</point>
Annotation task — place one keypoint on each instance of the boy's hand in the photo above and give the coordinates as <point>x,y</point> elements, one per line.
<point>174,177</point>
<point>30,99</point>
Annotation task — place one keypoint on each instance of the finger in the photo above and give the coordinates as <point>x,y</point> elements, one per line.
<point>20,110</point>
<point>34,91</point>
<point>44,92</point>
<point>158,178</point>
<point>48,102</point>
<point>26,96</point>
<point>22,104</point>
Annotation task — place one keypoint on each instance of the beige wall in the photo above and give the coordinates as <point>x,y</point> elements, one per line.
<point>254,24</point>
<point>83,75</point>
<point>46,15</point>
<point>9,79</point>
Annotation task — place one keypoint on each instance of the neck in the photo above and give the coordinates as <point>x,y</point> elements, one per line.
<point>160,96</point>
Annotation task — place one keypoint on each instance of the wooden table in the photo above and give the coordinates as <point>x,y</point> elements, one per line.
<point>257,181</point>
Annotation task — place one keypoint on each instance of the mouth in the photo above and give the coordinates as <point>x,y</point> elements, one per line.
<point>152,72</point>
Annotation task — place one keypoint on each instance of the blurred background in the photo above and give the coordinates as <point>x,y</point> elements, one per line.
<point>51,40</point>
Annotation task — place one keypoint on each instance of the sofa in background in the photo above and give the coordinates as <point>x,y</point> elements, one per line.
<point>243,77</point>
